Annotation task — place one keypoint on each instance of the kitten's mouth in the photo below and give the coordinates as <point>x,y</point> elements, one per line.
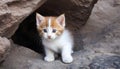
<point>49,39</point>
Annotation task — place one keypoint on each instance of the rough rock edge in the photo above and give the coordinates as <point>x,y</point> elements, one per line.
<point>15,12</point>
<point>5,46</point>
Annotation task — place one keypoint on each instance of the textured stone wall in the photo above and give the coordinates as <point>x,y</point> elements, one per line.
<point>12,13</point>
<point>76,11</point>
<point>5,46</point>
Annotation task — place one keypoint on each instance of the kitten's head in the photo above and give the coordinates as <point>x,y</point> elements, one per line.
<point>50,27</point>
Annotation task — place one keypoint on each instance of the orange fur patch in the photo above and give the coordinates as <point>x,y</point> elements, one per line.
<point>54,24</point>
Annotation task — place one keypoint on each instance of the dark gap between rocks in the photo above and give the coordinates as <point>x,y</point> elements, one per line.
<point>76,17</point>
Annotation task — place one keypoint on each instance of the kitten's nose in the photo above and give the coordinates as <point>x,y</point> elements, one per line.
<point>49,37</point>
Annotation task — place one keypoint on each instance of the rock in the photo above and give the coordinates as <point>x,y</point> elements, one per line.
<point>76,11</point>
<point>4,48</point>
<point>13,12</point>
<point>24,58</point>
<point>101,33</point>
<point>105,62</point>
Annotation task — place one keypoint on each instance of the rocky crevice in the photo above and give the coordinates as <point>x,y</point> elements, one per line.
<point>12,13</point>
<point>76,12</point>
<point>99,38</point>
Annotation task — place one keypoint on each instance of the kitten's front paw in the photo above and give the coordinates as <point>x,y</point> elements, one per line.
<point>49,59</point>
<point>67,59</point>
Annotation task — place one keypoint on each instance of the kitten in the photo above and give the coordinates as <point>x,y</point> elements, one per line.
<point>55,38</point>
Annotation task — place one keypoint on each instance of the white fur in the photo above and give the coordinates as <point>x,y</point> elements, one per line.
<point>49,28</point>
<point>39,19</point>
<point>49,22</point>
<point>62,44</point>
<point>61,20</point>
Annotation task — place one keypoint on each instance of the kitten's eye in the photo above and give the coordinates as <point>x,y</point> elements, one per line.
<point>54,30</point>
<point>45,30</point>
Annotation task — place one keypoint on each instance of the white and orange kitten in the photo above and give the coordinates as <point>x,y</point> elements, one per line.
<point>55,38</point>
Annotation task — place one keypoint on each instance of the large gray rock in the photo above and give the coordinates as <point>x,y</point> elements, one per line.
<point>24,58</point>
<point>4,48</point>
<point>76,11</point>
<point>12,13</point>
<point>105,62</point>
<point>101,33</point>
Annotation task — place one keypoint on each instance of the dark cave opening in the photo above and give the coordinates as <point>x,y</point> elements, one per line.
<point>76,17</point>
<point>27,35</point>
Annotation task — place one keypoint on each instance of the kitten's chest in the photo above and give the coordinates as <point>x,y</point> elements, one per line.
<point>55,45</point>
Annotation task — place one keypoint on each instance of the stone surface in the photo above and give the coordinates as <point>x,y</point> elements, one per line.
<point>101,32</point>
<point>106,62</point>
<point>101,42</point>
<point>12,13</point>
<point>76,11</point>
<point>4,48</point>
<point>24,58</point>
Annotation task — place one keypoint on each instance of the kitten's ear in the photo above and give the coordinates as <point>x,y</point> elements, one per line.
<point>61,20</point>
<point>39,19</point>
